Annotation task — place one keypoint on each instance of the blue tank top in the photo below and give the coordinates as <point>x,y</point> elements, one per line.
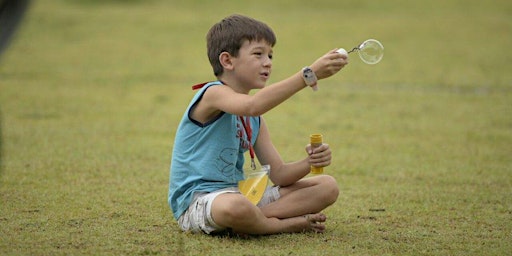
<point>207,157</point>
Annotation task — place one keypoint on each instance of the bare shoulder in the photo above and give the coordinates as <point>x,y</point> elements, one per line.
<point>205,109</point>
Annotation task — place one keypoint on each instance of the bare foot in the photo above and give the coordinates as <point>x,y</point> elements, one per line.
<point>307,223</point>
<point>315,222</point>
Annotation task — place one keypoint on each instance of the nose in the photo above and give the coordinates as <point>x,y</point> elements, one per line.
<point>267,62</point>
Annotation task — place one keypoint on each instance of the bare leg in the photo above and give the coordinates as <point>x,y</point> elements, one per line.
<point>235,211</point>
<point>297,210</point>
<point>307,196</point>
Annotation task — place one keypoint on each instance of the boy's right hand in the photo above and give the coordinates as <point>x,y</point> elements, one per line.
<point>329,64</point>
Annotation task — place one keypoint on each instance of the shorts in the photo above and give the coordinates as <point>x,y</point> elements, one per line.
<point>198,217</point>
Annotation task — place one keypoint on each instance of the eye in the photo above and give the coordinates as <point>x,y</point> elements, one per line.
<point>270,56</point>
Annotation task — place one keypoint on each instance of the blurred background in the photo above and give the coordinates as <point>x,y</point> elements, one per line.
<point>91,93</point>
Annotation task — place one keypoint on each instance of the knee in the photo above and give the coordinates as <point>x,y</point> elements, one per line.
<point>237,207</point>
<point>330,189</point>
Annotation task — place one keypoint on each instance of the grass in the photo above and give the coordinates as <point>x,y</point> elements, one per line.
<point>91,93</point>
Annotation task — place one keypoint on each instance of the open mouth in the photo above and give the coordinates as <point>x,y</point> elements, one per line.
<point>265,74</point>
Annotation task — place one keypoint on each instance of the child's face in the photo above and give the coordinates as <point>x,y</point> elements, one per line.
<point>253,65</point>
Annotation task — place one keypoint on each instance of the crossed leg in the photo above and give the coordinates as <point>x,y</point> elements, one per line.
<point>297,210</point>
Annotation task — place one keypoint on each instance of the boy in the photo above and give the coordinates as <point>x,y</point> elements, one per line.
<point>223,121</point>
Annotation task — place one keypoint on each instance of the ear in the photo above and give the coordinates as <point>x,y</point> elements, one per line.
<point>226,60</point>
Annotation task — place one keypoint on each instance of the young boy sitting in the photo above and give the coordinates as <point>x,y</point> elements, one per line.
<point>223,121</point>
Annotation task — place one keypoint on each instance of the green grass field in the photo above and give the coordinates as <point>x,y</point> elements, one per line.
<point>91,93</point>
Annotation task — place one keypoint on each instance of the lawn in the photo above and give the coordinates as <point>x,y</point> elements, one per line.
<point>91,93</point>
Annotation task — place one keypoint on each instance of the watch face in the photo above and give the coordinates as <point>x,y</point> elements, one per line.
<point>309,76</point>
<point>308,73</point>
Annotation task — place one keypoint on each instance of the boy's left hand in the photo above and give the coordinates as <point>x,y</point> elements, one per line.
<point>319,156</point>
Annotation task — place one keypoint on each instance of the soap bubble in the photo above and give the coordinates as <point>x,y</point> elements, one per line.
<point>370,51</point>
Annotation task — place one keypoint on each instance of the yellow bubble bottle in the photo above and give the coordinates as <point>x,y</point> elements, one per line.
<point>316,140</point>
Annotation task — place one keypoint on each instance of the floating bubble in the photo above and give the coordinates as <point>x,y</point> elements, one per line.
<point>370,51</point>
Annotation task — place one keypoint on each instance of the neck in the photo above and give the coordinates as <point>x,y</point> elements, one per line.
<point>229,81</point>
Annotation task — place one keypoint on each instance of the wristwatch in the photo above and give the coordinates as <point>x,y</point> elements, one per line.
<point>310,78</point>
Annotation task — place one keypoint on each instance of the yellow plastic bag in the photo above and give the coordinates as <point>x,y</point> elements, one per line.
<point>254,185</point>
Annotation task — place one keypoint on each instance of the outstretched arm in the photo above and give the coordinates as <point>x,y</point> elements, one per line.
<point>224,98</point>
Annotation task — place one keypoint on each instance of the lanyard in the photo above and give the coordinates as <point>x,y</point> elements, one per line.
<point>201,85</point>
<point>247,127</point>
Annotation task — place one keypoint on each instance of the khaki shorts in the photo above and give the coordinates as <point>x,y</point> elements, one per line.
<point>198,217</point>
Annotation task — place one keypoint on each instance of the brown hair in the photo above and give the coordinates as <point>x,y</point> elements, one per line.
<point>229,34</point>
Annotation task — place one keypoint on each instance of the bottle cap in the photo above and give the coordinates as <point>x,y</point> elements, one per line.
<point>315,138</point>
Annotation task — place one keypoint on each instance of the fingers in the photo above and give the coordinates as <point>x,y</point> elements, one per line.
<point>336,59</point>
<point>329,64</point>
<point>320,156</point>
<point>322,148</point>
<point>339,59</point>
<point>320,162</point>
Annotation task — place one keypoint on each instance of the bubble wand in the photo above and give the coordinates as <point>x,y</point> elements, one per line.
<point>370,51</point>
